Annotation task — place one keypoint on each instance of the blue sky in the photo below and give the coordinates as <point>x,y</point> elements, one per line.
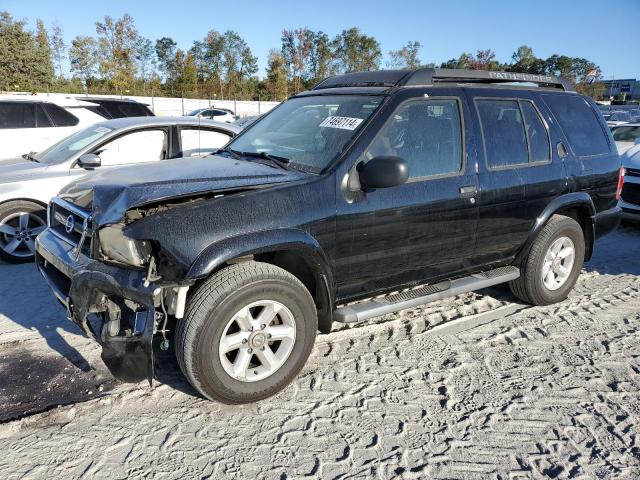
<point>607,33</point>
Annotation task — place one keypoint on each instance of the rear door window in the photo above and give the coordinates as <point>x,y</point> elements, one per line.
<point>505,140</point>
<point>580,123</point>
<point>60,116</point>
<point>537,136</point>
<point>17,115</point>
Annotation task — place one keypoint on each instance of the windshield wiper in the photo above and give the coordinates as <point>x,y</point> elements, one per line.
<point>234,153</point>
<point>30,156</point>
<point>281,162</point>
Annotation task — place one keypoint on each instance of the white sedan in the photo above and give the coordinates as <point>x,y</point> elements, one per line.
<point>28,183</point>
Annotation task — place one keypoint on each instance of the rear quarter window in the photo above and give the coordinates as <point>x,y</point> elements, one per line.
<point>580,123</point>
<point>60,116</point>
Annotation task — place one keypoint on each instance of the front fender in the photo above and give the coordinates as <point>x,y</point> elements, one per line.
<point>570,200</point>
<point>261,242</point>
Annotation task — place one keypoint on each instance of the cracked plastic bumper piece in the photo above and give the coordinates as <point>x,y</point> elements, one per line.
<point>108,303</point>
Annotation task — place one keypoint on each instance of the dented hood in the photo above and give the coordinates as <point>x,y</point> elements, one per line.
<point>110,192</point>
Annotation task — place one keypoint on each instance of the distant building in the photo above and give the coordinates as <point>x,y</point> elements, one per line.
<point>630,87</point>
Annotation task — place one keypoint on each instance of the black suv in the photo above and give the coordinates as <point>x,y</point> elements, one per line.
<point>373,192</point>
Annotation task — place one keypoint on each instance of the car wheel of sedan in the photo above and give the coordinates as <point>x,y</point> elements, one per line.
<point>20,224</point>
<point>247,333</point>
<point>553,265</point>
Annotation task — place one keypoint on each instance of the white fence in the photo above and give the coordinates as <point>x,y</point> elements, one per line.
<point>179,106</point>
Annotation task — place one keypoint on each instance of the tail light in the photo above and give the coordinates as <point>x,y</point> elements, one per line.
<point>620,183</point>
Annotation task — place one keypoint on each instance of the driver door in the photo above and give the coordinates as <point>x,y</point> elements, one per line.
<point>420,231</point>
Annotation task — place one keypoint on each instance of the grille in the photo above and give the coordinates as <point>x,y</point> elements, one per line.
<point>69,221</point>
<point>632,172</point>
<point>631,193</point>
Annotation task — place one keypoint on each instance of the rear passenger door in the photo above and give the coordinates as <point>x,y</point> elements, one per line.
<point>516,174</point>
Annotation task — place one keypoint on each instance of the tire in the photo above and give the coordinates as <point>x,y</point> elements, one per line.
<point>210,315</point>
<point>531,287</point>
<point>17,239</point>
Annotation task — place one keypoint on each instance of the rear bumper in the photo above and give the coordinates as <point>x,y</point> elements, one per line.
<point>607,221</point>
<point>108,303</point>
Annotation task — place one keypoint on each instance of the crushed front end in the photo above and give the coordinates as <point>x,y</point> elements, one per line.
<point>118,302</point>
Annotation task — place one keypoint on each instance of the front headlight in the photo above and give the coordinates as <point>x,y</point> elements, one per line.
<point>116,246</point>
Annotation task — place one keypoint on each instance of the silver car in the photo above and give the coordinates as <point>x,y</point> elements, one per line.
<point>28,183</point>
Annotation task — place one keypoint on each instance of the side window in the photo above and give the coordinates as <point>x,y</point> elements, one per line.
<point>17,115</point>
<point>536,133</point>
<point>196,142</point>
<point>503,132</point>
<point>427,134</point>
<point>42,121</point>
<point>136,147</point>
<point>60,116</point>
<point>579,122</point>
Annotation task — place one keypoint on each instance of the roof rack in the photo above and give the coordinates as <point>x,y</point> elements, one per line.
<point>432,76</point>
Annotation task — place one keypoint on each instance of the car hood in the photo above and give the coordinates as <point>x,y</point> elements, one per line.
<point>631,158</point>
<point>19,169</point>
<point>109,193</point>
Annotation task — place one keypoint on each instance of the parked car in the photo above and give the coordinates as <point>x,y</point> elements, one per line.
<point>617,118</point>
<point>626,136</point>
<point>372,193</point>
<point>32,124</point>
<point>118,107</point>
<point>630,201</point>
<point>219,114</point>
<point>28,184</point>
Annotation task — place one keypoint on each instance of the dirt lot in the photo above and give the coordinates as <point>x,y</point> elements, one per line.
<point>473,387</point>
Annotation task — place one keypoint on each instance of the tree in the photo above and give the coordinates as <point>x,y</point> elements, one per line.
<point>117,42</point>
<point>24,63</point>
<point>44,50</point>
<point>406,57</point>
<point>145,58</point>
<point>321,59</point>
<point>187,74</point>
<point>484,60</point>
<point>276,83</point>
<point>356,51</point>
<point>296,51</point>
<point>58,48</point>
<point>166,54</point>
<point>82,56</point>
<point>238,62</point>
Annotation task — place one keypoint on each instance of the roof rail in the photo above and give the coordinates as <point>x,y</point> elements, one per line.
<point>431,76</point>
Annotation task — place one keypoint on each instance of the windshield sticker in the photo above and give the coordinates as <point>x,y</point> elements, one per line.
<point>345,123</point>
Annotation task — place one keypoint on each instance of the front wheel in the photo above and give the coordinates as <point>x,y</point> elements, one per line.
<point>247,333</point>
<point>20,223</point>
<point>553,265</point>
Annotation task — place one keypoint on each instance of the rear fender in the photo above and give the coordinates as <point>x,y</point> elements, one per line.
<point>570,200</point>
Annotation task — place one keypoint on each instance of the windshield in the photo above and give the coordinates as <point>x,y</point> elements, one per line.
<point>308,131</point>
<point>626,134</point>
<point>68,147</point>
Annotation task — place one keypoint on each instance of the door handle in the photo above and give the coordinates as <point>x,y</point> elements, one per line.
<point>468,191</point>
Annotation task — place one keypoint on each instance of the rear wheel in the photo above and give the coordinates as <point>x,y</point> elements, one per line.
<point>553,265</point>
<point>247,333</point>
<point>20,223</point>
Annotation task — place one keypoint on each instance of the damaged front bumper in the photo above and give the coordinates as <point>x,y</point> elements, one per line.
<point>110,304</point>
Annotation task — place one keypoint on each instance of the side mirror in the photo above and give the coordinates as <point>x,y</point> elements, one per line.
<point>89,161</point>
<point>382,172</point>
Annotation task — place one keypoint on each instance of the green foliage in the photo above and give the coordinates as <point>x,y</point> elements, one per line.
<point>25,62</point>
<point>406,57</point>
<point>221,65</point>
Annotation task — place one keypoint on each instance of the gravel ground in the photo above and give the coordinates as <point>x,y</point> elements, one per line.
<point>473,387</point>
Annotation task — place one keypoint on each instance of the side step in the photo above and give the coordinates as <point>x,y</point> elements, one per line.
<point>379,306</point>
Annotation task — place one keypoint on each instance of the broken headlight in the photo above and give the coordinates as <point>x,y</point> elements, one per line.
<point>119,248</point>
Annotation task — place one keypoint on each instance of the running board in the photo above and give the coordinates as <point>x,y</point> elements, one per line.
<point>379,306</point>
